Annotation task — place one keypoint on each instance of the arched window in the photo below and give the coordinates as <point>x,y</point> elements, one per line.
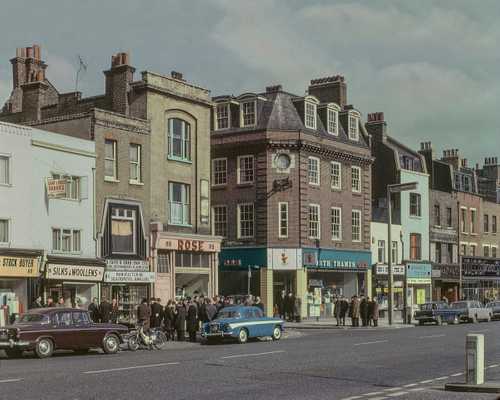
<point>179,139</point>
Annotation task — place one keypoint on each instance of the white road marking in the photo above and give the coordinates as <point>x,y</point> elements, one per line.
<point>353,398</point>
<point>480,330</point>
<point>493,365</point>
<point>416,389</point>
<point>374,342</point>
<point>393,389</point>
<point>254,354</point>
<point>457,374</point>
<point>431,336</point>
<point>427,381</point>
<point>397,394</point>
<point>379,398</point>
<point>11,380</point>
<point>410,385</point>
<point>373,393</point>
<point>132,367</point>
<point>442,378</point>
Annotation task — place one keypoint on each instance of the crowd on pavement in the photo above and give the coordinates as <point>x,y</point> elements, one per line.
<point>364,308</point>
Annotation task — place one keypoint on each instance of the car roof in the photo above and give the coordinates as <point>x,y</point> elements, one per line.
<point>239,308</point>
<point>50,310</point>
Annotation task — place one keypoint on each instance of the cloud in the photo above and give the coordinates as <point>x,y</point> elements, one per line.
<point>5,88</point>
<point>61,72</point>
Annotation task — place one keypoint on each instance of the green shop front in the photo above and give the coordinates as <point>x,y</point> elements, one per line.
<point>332,273</point>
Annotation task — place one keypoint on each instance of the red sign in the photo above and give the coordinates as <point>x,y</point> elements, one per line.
<point>192,245</point>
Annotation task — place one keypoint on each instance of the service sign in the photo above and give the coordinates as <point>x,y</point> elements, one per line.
<point>64,272</point>
<point>129,277</point>
<point>18,266</point>
<point>56,187</point>
<point>129,265</point>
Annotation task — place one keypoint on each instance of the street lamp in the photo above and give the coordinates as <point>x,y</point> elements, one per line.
<point>394,188</point>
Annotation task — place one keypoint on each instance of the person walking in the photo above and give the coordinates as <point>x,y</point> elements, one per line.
<point>144,315</point>
<point>156,313</point>
<point>94,310</point>
<point>105,311</point>
<point>363,310</point>
<point>354,311</point>
<point>373,307</point>
<point>192,321</point>
<point>211,310</point>
<point>180,321</point>
<point>115,311</point>
<point>258,303</point>
<point>289,307</point>
<point>280,305</point>
<point>37,303</point>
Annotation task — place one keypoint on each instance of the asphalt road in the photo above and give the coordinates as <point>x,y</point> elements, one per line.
<point>412,363</point>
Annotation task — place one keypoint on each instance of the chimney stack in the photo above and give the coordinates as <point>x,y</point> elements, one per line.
<point>376,126</point>
<point>273,89</point>
<point>177,75</point>
<point>331,89</point>
<point>118,79</point>
<point>452,157</point>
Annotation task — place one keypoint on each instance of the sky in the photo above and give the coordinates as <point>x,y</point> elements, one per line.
<point>433,67</point>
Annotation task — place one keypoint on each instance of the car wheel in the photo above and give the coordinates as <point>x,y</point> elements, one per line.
<point>160,340</point>
<point>133,343</point>
<point>243,336</point>
<point>111,344</point>
<point>277,333</point>
<point>13,353</point>
<point>44,348</point>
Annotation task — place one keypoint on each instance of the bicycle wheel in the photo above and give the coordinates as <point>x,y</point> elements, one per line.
<point>160,340</point>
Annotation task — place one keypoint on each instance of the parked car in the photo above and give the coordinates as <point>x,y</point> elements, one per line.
<point>437,312</point>
<point>241,323</point>
<point>472,311</point>
<point>495,309</point>
<point>47,329</point>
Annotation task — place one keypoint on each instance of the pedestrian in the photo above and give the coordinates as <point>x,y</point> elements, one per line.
<point>37,303</point>
<point>94,310</point>
<point>344,307</point>
<point>297,305</point>
<point>192,321</point>
<point>156,313</point>
<point>211,310</point>
<point>169,320</point>
<point>373,307</point>
<point>336,310</point>
<point>289,306</point>
<point>144,315</point>
<point>280,304</point>
<point>115,311</point>
<point>354,311</point>
<point>60,302</point>
<point>50,302</point>
<point>363,311</point>
<point>105,311</point>
<point>258,303</point>
<point>180,321</point>
<point>202,311</point>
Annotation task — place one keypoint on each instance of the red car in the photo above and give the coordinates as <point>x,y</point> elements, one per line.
<point>44,330</point>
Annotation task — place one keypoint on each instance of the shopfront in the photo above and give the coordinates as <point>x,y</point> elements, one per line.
<point>19,276</point>
<point>419,284</point>
<point>480,278</point>
<point>77,280</point>
<point>380,285</point>
<point>332,273</point>
<point>446,282</point>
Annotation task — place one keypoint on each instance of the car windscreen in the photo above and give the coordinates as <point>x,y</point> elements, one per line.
<point>427,307</point>
<point>227,314</point>
<point>459,304</point>
<point>30,318</point>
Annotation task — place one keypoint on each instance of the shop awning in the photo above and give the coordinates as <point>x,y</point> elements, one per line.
<point>239,259</point>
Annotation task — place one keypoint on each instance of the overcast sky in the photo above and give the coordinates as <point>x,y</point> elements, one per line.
<point>432,66</point>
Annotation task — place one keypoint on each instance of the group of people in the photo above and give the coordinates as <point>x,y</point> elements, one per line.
<point>288,306</point>
<point>61,302</point>
<point>362,307</point>
<point>105,312</point>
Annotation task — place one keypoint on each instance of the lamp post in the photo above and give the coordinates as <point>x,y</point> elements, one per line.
<point>394,188</point>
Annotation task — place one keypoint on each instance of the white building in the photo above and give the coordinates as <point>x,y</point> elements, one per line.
<point>47,235</point>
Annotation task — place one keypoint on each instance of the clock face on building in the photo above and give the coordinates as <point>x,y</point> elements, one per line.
<point>283,161</point>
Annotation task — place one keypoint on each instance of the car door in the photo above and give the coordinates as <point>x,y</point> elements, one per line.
<point>63,325</point>
<point>83,333</point>
<point>249,319</point>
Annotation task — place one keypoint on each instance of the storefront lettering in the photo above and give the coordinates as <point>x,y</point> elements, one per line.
<point>342,264</point>
<point>232,262</point>
<point>18,266</point>
<point>75,272</point>
<point>193,245</point>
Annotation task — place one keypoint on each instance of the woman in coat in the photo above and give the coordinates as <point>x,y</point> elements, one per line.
<point>192,321</point>
<point>180,321</point>
<point>169,320</point>
<point>374,312</point>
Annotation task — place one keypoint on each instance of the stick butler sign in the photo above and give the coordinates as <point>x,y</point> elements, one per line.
<point>18,266</point>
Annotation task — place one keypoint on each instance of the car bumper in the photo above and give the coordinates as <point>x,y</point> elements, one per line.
<point>217,335</point>
<point>11,344</point>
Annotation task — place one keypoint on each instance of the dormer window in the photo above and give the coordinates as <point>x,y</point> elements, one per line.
<point>353,128</point>
<point>249,113</point>
<point>310,115</point>
<point>222,116</point>
<point>332,116</point>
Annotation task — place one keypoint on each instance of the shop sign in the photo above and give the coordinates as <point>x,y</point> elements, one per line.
<point>418,281</point>
<point>185,244</point>
<point>242,258</point>
<point>384,270</point>
<point>129,277</point>
<point>124,264</point>
<point>414,270</point>
<point>56,187</point>
<point>74,272</point>
<point>18,266</point>
<point>337,260</point>
<point>480,267</point>
<point>284,259</point>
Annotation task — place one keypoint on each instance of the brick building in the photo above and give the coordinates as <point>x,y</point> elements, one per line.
<point>291,187</point>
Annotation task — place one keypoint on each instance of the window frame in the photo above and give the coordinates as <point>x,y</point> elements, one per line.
<point>283,222</point>
<point>317,207</point>
<point>449,217</point>
<point>239,220</point>
<point>185,206</point>
<point>222,173</point>
<point>114,160</point>
<point>186,141</point>
<point>317,181</point>
<point>437,215</point>
<point>494,224</point>
<point>136,164</point>
<point>473,221</point>
<point>381,252</point>
<point>338,237</point>
<point>8,174</point>
<point>228,116</point>
<point>353,120</point>
<point>115,215</point>
<point>332,175</point>
<point>243,113</point>
<point>335,113</point>
<point>394,251</point>
<point>239,170</point>
<point>72,242</point>
<point>486,223</point>
<point>418,249</point>
<point>8,224</point>
<point>356,188</point>
<point>359,213</point>
<point>216,221</point>
<point>313,116</point>
<point>417,212</point>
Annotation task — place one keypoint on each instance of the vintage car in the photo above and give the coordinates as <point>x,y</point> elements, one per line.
<point>437,312</point>
<point>472,311</point>
<point>495,309</point>
<point>45,330</point>
<point>241,323</point>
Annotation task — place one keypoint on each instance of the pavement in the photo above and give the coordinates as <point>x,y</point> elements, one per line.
<point>337,364</point>
<point>331,323</point>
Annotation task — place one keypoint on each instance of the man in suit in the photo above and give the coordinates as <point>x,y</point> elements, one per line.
<point>156,313</point>
<point>105,311</point>
<point>94,310</point>
<point>192,321</point>
<point>180,321</point>
<point>144,314</point>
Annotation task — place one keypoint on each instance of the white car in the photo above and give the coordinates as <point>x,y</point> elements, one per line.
<point>472,311</point>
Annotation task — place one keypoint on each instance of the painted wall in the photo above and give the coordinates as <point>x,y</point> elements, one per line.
<point>379,232</point>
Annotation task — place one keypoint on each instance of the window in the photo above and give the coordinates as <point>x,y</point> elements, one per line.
<point>415,205</point>
<point>473,250</point>
<point>245,220</point>
<point>222,116</point>
<point>185,259</point>
<point>353,127</point>
<point>81,318</point>
<point>110,160</point>
<point>493,224</point>
<point>463,249</point>
<point>179,203</point>
<point>449,221</point>
<point>314,224</point>
<point>473,221</point>
<point>248,113</point>
<point>135,151</point>
<point>381,251</point>
<point>4,170</point>
<point>333,120</point>
<point>463,220</point>
<point>437,215</point>
<point>179,139</point>
<point>72,186</point>
<point>219,171</point>
<point>4,231</point>
<point>394,255</point>
<point>245,169</point>
<point>163,263</point>
<point>486,251</point>
<point>204,202</point>
<point>449,252</point>
<point>336,221</point>
<point>493,251</point>
<point>466,183</point>
<point>356,179</point>
<point>313,170</point>
<point>283,219</point>
<point>415,246</point>
<point>336,175</point>
<point>123,230</point>
<point>438,256</point>
<point>310,115</point>
<point>66,240</point>
<point>486,223</point>
<point>220,221</point>
<point>356,225</point>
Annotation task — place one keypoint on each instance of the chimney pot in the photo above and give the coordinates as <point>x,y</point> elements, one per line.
<point>29,52</point>
<point>274,88</point>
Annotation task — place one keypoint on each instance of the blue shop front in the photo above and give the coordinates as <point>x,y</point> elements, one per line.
<point>332,273</point>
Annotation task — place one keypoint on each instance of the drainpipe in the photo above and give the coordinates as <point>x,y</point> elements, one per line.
<point>459,252</point>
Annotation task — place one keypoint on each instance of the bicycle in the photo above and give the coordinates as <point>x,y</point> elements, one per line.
<point>154,339</point>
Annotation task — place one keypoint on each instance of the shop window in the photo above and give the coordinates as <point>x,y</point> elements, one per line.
<point>493,224</point>
<point>437,215</point>
<point>336,221</point>
<point>314,221</point>
<point>473,250</point>
<point>415,246</point>
<point>356,179</point>
<point>222,119</point>
<point>449,218</point>
<point>245,169</point>
<point>356,225</point>
<point>473,214</point>
<point>123,228</point>
<point>219,171</point>
<point>381,251</point>
<point>220,220</point>
<point>415,205</point>
<point>185,259</point>
<point>110,160</point>
<point>179,139</point>
<point>4,231</point>
<point>283,219</point>
<point>486,225</point>
<point>313,170</point>
<point>245,221</point>
<point>248,113</point>
<point>135,155</point>
<point>179,203</point>
<point>72,186</point>
<point>163,263</point>
<point>66,240</point>
<point>336,175</point>
<point>4,170</point>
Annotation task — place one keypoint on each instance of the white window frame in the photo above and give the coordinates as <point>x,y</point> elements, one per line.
<point>185,206</point>
<point>418,205</point>
<point>72,187</point>
<point>463,221</point>
<point>473,221</point>
<point>226,117</point>
<point>356,188</point>
<point>219,178</point>
<point>333,177</point>
<point>318,222</point>
<point>332,124</point>
<point>394,252</point>
<point>239,170</point>
<point>283,221</point>
<point>358,212</point>
<point>491,251</point>
<point>115,215</point>
<point>381,246</point>
<point>473,246</point>
<point>186,140</point>
<point>8,221</point>
<point>215,221</point>
<point>353,125</point>
<point>245,113</point>
<point>310,115</point>
<point>239,209</point>
<point>317,181</point>
<point>114,160</point>
<point>336,233</point>
<point>135,164</point>
<point>72,242</point>
<point>7,157</point>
